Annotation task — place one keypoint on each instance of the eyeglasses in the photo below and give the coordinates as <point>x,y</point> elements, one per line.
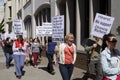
<point>113,41</point>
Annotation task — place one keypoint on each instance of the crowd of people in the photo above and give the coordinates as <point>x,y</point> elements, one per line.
<point>22,52</point>
<point>103,57</point>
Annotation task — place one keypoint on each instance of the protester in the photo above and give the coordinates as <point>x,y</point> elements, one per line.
<point>35,48</point>
<point>19,49</point>
<point>67,57</point>
<point>50,47</point>
<point>40,53</point>
<point>27,52</point>
<point>56,55</point>
<point>8,51</point>
<point>2,45</point>
<point>93,47</point>
<point>110,59</point>
<point>30,52</point>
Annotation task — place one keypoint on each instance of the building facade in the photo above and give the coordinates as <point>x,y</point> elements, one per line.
<point>1,13</point>
<point>78,15</point>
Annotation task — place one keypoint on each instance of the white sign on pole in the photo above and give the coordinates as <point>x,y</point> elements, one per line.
<point>44,30</point>
<point>39,31</point>
<point>3,36</point>
<point>17,24</point>
<point>47,29</point>
<point>24,34</point>
<point>12,36</point>
<point>102,25</point>
<point>58,28</point>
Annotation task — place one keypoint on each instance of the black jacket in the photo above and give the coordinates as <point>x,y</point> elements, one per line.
<point>8,47</point>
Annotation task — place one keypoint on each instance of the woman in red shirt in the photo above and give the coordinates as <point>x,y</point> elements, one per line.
<point>19,49</point>
<point>67,57</point>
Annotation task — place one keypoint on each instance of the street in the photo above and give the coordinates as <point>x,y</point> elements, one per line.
<point>31,73</point>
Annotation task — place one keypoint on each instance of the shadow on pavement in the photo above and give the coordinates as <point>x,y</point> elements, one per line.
<point>87,75</point>
<point>43,68</point>
<point>77,79</point>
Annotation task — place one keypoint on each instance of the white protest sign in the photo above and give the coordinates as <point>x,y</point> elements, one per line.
<point>6,35</point>
<point>39,31</point>
<point>58,28</point>
<point>47,29</point>
<point>3,36</point>
<point>24,34</point>
<point>102,25</point>
<point>17,24</point>
<point>13,36</point>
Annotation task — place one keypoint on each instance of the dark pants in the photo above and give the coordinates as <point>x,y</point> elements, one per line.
<point>95,67</point>
<point>50,62</point>
<point>9,58</point>
<point>66,71</point>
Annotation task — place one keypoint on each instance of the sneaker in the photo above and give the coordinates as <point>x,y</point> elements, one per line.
<point>53,72</point>
<point>7,67</point>
<point>35,66</point>
<point>19,77</point>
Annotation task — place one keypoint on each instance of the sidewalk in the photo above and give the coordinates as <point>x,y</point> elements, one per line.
<point>32,73</point>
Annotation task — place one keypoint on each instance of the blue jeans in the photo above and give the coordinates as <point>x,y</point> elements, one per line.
<point>66,71</point>
<point>9,58</point>
<point>19,64</point>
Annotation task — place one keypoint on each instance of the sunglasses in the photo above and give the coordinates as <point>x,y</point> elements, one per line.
<point>113,41</point>
<point>70,40</point>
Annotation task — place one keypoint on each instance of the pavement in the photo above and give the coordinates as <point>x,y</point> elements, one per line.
<point>31,73</point>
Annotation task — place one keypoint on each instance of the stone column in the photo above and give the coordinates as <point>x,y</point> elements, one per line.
<point>22,3</point>
<point>33,20</point>
<point>67,19</point>
<point>54,8</point>
<point>91,15</point>
<point>38,19</point>
<point>78,28</point>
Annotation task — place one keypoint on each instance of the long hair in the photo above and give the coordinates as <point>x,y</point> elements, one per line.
<point>20,39</point>
<point>106,38</point>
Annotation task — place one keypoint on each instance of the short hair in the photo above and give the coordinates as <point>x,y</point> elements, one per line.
<point>49,39</point>
<point>70,35</point>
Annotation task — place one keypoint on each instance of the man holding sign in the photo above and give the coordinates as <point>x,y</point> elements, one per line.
<point>93,46</point>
